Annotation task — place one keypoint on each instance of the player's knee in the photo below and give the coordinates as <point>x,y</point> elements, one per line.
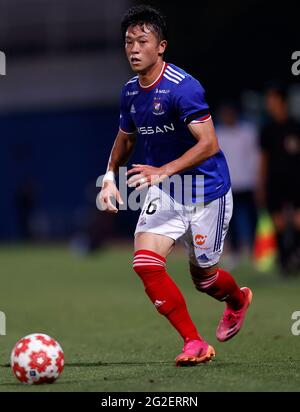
<point>203,278</point>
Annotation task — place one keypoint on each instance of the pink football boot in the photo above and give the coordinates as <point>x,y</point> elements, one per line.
<point>232,320</point>
<point>194,352</point>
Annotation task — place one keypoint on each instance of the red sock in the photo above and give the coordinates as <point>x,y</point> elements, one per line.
<point>220,286</point>
<point>163,292</point>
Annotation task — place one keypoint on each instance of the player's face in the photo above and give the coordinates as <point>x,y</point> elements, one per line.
<point>143,48</point>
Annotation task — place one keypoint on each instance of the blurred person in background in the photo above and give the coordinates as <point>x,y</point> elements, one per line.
<point>92,230</point>
<point>239,141</point>
<point>279,172</point>
<point>25,193</point>
<point>25,202</point>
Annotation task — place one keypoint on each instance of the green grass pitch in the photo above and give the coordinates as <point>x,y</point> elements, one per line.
<point>113,338</point>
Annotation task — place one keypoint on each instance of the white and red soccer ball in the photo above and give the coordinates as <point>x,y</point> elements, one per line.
<point>37,359</point>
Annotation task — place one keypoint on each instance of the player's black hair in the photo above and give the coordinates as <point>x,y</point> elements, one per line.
<point>144,14</point>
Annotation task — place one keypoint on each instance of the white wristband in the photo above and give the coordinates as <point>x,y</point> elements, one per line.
<point>109,177</point>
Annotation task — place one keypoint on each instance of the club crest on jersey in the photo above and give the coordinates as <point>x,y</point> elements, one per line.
<point>157,107</point>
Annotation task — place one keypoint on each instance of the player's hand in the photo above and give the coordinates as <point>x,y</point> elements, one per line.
<point>109,191</point>
<point>144,176</point>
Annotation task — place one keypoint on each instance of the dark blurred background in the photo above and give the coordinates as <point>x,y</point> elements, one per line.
<point>59,100</point>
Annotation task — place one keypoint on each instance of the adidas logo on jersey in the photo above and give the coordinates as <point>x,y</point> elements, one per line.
<point>132,109</point>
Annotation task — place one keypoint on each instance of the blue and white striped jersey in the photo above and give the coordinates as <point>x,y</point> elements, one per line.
<point>161,113</point>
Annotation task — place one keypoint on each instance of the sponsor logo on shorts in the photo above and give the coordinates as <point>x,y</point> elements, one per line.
<point>203,258</point>
<point>200,240</point>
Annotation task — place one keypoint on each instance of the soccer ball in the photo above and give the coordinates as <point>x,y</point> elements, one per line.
<point>37,359</point>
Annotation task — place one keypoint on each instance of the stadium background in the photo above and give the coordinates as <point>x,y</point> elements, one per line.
<point>58,118</point>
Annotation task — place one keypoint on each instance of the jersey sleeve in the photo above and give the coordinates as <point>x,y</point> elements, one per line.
<point>190,102</point>
<point>126,123</point>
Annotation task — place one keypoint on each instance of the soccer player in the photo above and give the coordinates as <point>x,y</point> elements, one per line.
<point>280,151</point>
<point>166,107</point>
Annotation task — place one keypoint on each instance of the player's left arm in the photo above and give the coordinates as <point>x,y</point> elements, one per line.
<point>206,146</point>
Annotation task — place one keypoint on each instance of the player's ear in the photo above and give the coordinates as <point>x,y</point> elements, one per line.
<point>162,47</point>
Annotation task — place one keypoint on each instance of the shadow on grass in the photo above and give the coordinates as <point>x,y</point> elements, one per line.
<point>95,364</point>
<point>56,383</point>
<point>216,363</point>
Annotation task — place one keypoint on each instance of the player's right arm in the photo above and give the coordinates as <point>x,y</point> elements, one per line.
<point>121,151</point>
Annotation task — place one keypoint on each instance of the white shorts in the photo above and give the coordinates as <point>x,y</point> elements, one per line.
<point>202,229</point>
